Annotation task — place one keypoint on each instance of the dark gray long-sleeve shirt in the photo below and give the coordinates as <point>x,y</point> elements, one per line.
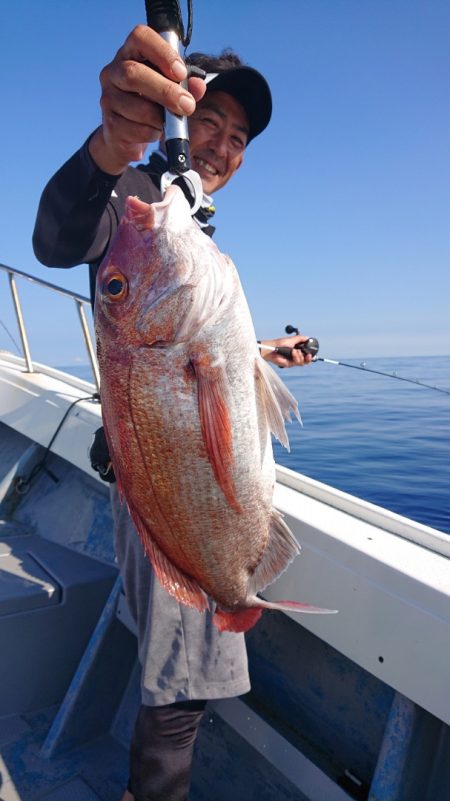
<point>81,207</point>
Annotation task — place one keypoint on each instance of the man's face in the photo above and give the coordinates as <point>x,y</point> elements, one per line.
<point>218,134</point>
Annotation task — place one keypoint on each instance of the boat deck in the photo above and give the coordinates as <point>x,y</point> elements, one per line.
<point>96,771</point>
<point>353,707</point>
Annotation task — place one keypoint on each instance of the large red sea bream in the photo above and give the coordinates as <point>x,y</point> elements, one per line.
<point>188,406</point>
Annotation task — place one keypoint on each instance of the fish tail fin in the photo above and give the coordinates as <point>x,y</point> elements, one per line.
<point>277,401</point>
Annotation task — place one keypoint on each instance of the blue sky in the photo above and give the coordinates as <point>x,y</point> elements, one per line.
<point>339,219</point>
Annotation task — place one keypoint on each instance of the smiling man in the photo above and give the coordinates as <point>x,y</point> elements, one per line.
<point>185,659</point>
<point>218,133</point>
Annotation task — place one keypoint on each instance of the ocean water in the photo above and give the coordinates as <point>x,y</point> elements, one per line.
<point>375,437</point>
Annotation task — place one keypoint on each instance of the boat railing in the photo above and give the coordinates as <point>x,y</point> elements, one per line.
<point>80,302</point>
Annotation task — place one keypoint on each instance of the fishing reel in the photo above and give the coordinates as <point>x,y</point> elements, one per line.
<point>308,348</point>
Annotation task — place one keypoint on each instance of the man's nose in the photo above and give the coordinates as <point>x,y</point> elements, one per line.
<point>220,143</point>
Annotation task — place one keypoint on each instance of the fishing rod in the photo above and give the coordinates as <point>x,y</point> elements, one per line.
<point>164,16</point>
<point>311,346</point>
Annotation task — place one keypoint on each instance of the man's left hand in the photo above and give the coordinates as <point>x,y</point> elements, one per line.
<point>298,359</point>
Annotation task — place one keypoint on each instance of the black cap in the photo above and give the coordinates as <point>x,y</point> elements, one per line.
<point>250,89</point>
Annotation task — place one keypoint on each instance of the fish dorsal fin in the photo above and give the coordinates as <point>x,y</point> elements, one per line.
<point>281,549</point>
<point>216,424</point>
<point>184,588</point>
<point>277,401</point>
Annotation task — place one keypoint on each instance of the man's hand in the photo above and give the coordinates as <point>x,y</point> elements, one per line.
<point>297,359</point>
<point>133,94</point>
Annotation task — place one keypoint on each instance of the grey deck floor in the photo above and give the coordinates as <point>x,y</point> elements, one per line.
<point>224,766</point>
<point>95,772</point>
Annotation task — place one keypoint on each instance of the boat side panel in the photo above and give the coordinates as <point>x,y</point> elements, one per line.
<point>66,506</point>
<point>12,446</point>
<point>34,404</point>
<point>328,706</point>
<point>393,598</point>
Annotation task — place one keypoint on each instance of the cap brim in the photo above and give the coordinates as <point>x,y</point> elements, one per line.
<point>251,90</point>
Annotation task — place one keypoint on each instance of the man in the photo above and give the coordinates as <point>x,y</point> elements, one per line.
<point>185,660</point>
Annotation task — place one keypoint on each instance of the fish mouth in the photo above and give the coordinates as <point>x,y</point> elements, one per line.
<point>151,216</point>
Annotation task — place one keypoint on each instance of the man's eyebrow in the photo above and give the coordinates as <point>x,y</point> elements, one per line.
<point>212,106</point>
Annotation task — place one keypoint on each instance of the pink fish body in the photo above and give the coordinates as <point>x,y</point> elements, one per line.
<point>188,406</point>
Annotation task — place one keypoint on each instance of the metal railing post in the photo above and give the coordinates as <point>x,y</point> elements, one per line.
<point>20,323</point>
<point>88,343</point>
<point>80,301</point>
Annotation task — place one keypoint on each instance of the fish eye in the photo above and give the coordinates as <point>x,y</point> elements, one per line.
<point>116,287</point>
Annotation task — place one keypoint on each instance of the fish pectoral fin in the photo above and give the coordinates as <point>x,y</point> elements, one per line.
<point>184,588</point>
<point>216,424</point>
<point>281,549</point>
<point>277,401</point>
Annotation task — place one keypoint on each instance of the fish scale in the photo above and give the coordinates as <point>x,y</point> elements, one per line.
<point>188,405</point>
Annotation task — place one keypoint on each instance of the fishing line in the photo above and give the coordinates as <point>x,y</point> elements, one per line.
<point>311,346</point>
<point>365,369</point>
<point>22,484</point>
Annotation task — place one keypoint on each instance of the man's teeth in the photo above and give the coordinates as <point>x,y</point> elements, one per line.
<point>208,167</point>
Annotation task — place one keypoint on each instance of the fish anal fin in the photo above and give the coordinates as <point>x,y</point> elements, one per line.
<point>216,424</point>
<point>239,621</point>
<point>281,549</point>
<point>297,606</point>
<point>184,588</point>
<point>277,401</point>
<point>244,619</point>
